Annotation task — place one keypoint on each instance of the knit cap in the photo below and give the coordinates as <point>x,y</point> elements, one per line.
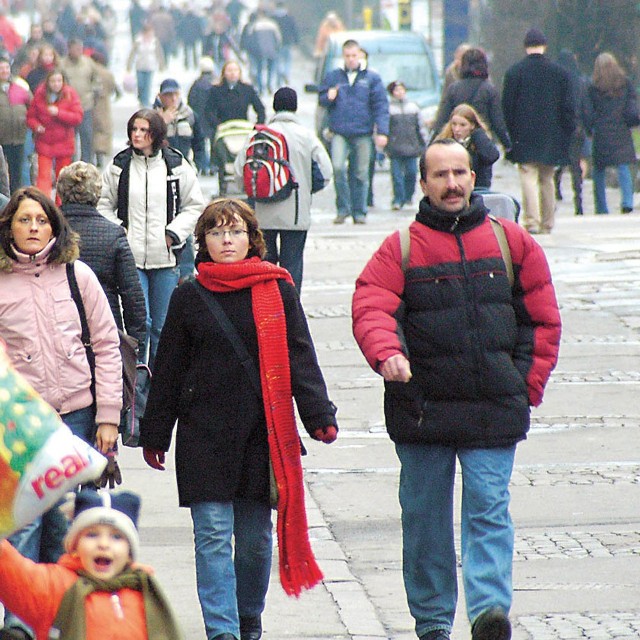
<point>535,38</point>
<point>119,510</point>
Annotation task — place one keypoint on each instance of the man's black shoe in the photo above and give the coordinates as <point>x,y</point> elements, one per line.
<point>250,628</point>
<point>436,634</point>
<point>492,624</point>
<point>225,636</point>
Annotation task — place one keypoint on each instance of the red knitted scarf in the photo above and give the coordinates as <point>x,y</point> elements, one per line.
<point>298,567</point>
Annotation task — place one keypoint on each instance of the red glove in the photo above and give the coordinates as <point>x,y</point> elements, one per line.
<point>154,458</point>
<point>326,434</point>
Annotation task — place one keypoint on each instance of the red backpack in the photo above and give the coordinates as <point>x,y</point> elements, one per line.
<point>267,173</point>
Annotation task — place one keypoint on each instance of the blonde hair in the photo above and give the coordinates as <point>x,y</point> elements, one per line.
<point>608,75</point>
<point>224,68</point>
<point>467,112</point>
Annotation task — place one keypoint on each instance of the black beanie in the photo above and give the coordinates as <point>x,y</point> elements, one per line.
<point>534,38</point>
<point>285,99</point>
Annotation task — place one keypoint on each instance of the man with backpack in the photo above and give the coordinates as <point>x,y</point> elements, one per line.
<point>464,352</point>
<point>284,208</point>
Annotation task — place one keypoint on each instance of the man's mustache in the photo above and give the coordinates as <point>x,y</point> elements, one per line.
<point>459,193</point>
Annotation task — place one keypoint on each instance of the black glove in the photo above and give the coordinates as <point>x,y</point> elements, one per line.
<point>111,473</point>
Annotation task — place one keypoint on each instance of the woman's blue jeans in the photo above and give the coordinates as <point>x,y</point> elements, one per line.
<point>233,549</point>
<point>600,192</point>
<point>403,179</point>
<point>158,286</point>
<point>41,540</point>
<point>143,80</point>
<point>429,557</point>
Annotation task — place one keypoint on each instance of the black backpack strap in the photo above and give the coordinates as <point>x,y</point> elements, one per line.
<point>233,336</point>
<point>173,159</point>
<point>86,336</point>
<point>122,160</point>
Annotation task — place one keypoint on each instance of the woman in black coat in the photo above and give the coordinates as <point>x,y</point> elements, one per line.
<point>105,248</point>
<point>614,110</point>
<point>235,416</point>
<point>474,88</point>
<point>230,98</point>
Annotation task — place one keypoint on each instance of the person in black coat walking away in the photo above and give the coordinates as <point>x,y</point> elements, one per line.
<point>578,149</point>
<point>540,112</point>
<point>197,100</point>
<point>475,89</point>
<point>467,127</point>
<point>234,352</point>
<point>613,108</point>
<point>105,248</point>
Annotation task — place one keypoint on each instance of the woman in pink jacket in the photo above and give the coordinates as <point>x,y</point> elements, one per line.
<point>40,324</point>
<point>53,116</point>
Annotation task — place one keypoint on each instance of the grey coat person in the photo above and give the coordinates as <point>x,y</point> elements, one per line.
<point>304,146</point>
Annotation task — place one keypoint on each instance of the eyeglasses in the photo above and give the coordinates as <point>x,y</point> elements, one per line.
<point>41,221</point>
<point>218,234</point>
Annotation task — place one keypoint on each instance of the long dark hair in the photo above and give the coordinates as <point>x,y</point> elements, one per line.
<point>608,75</point>
<point>157,127</point>
<point>59,225</point>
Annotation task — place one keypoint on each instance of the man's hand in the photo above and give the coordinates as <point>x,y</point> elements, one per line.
<point>380,141</point>
<point>325,434</point>
<point>396,369</point>
<point>169,115</point>
<point>332,93</point>
<point>106,437</point>
<point>154,458</point>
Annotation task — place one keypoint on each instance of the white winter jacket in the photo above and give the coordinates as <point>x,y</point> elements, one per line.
<point>148,207</point>
<point>304,146</point>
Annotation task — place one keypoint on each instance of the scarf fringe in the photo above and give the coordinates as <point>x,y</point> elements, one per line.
<point>295,580</point>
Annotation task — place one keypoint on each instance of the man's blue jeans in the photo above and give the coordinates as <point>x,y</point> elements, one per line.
<point>403,178</point>
<point>41,540</point>
<point>429,557</point>
<point>158,286</point>
<point>289,254</point>
<point>233,549</point>
<point>354,152</point>
<point>600,192</point>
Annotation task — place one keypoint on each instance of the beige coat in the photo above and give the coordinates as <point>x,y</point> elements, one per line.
<point>102,119</point>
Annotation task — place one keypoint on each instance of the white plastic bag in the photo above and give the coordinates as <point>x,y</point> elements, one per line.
<point>40,458</point>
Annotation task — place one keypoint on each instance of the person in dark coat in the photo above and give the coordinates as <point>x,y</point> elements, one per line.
<point>230,98</point>
<point>613,108</point>
<point>464,355</point>
<point>539,109</point>
<point>475,89</point>
<point>105,248</point>
<point>235,415</point>
<point>579,141</point>
<point>197,100</point>
<point>467,127</point>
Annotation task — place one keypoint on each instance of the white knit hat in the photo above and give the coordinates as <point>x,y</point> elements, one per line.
<point>119,510</point>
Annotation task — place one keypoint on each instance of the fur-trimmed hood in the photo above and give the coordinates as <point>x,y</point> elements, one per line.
<point>69,253</point>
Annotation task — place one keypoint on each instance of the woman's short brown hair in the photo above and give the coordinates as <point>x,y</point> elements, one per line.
<point>79,183</point>
<point>225,211</point>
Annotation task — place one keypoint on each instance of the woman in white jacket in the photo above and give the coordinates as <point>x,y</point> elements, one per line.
<point>153,191</point>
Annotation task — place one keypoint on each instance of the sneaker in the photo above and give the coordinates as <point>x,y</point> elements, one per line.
<point>626,210</point>
<point>436,634</point>
<point>396,207</point>
<point>339,219</point>
<point>360,220</point>
<point>492,624</point>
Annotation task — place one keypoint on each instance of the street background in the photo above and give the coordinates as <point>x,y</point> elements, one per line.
<point>575,488</point>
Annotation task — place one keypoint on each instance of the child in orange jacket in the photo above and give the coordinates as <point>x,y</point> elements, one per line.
<point>93,592</point>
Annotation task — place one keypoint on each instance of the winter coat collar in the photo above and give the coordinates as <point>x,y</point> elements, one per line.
<point>69,253</point>
<point>285,116</point>
<point>440,220</point>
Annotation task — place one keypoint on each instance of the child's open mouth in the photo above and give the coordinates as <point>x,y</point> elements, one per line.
<point>102,562</point>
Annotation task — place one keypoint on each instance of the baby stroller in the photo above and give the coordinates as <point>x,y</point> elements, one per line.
<point>227,143</point>
<point>500,205</point>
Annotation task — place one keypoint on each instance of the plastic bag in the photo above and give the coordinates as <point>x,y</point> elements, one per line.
<point>40,458</point>
<point>129,82</point>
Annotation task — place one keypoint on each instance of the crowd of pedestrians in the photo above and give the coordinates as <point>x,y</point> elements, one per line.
<point>211,291</point>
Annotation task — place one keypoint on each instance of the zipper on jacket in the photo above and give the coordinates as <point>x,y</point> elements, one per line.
<point>471,304</point>
<point>146,209</point>
<point>117,607</point>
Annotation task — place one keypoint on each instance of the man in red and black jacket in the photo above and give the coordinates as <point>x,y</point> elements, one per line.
<point>464,353</point>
